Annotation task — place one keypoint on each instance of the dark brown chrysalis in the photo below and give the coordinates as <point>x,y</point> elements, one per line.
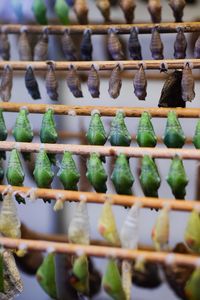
<point>114,45</point>
<point>156,45</point>
<point>197,48</point>
<point>154,8</point>
<point>180,45</point>
<point>81,11</point>
<point>68,47</point>
<point>187,84</point>
<point>74,83</point>
<point>86,45</point>
<point>6,83</point>
<point>177,7</point>
<point>115,82</point>
<point>25,52</point>
<point>41,48</point>
<point>140,83</point>
<point>134,46</point>
<point>93,82</point>
<point>31,84</point>
<point>128,8</point>
<point>4,46</point>
<point>51,82</point>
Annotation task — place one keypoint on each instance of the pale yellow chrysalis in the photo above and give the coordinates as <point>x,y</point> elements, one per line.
<point>127,278</point>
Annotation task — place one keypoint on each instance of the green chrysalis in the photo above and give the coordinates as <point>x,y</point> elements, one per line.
<point>192,290</point>
<point>145,134</point>
<point>149,177</point>
<point>122,177</point>
<point>68,173</point>
<point>39,10</point>
<point>96,134</point>
<point>196,138</point>
<point>3,133</point>
<point>174,136</point>
<point>62,11</point>
<point>192,232</point>
<point>177,178</point>
<point>80,275</point>
<point>119,135</point>
<point>2,289</point>
<point>96,173</point>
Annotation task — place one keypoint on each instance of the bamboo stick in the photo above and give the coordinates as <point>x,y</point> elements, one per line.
<point>91,197</point>
<point>97,251</point>
<point>102,65</point>
<point>170,27</point>
<point>104,110</point>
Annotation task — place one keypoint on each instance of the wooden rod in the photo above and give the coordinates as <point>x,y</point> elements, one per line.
<point>104,110</point>
<point>101,251</point>
<point>102,150</point>
<point>102,65</point>
<point>91,197</point>
<point>170,27</point>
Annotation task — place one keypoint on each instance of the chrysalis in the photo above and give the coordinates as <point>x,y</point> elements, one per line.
<point>6,83</point>
<point>79,227</point>
<point>86,47</point>
<point>148,276</point>
<point>119,135</point>
<point>128,8</point>
<point>145,133</point>
<point>48,133</point>
<point>160,232</point>
<point>107,225</point>
<point>177,7</point>
<point>129,233</point>
<point>46,275</point>
<point>192,290</point>
<point>104,7</point>
<point>25,51</point>
<point>140,83</point>
<point>79,278</point>
<point>51,83</point>
<point>4,46</point>
<point>134,46</point>
<point>156,45</point>
<point>74,83</point>
<point>96,173</point>
<point>9,221</point>
<point>174,136</point>
<point>62,11</point>
<point>114,45</point>
<point>112,282</point>
<point>93,82</point>
<point>39,10</point>
<point>3,133</point>
<point>122,177</point>
<point>31,84</point>
<point>41,47</point>
<point>2,285</point>
<point>127,278</point>
<point>177,178</point>
<point>192,232</point>
<point>115,82</point>
<point>196,138</point>
<point>96,134</point>
<point>68,47</point>
<point>187,84</point>
<point>81,11</point>
<point>149,177</point>
<point>197,48</point>
<point>68,173</point>
<point>154,8</point>
<point>15,174</point>
<point>180,45</point>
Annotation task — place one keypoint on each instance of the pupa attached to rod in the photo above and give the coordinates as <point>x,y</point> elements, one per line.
<point>86,47</point>
<point>114,45</point>
<point>39,10</point>
<point>79,277</point>
<point>6,84</point>
<point>31,84</point>
<point>74,83</point>
<point>122,176</point>
<point>196,138</point>
<point>197,48</point>
<point>115,82</point>
<point>96,134</point>
<point>68,46</point>
<point>192,231</point>
<point>177,178</point>
<point>62,11</point>
<point>187,84</point>
<point>134,46</point>
<point>180,44</point>
<point>155,8</point>
<point>24,47</point>
<point>177,7</point>
<point>192,286</point>
<point>156,45</point>
<point>3,133</point>
<point>51,82</point>
<point>41,47</point>
<point>81,10</point>
<point>68,173</point>
<point>149,178</point>
<point>128,8</point>
<point>93,82</point>
<point>145,134</point>
<point>104,7</point>
<point>140,83</point>
<point>4,46</point>
<point>174,136</point>
<point>119,135</point>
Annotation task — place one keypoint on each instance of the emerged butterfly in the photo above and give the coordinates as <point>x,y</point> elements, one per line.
<point>145,134</point>
<point>119,135</point>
